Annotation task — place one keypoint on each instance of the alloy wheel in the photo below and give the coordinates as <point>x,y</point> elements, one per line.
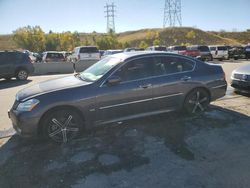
<point>197,101</point>
<point>22,75</point>
<point>63,126</point>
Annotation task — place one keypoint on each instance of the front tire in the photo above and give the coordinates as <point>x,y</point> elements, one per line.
<point>62,126</point>
<point>196,101</point>
<point>22,74</point>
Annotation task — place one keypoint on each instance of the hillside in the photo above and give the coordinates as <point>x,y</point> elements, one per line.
<point>168,37</point>
<point>175,36</point>
<point>242,37</point>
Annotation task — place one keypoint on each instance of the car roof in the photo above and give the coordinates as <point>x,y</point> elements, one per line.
<point>127,55</point>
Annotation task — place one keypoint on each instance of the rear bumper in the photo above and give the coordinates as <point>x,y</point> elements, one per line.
<point>23,123</point>
<point>218,91</point>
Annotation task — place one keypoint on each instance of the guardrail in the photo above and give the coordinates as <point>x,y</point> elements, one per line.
<point>61,67</point>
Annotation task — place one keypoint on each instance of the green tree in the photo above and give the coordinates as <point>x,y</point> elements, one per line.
<point>156,42</point>
<point>52,41</point>
<point>191,35</point>
<point>30,38</point>
<point>109,41</point>
<point>143,45</point>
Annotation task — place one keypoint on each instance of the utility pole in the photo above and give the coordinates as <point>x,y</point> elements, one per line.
<point>172,13</point>
<point>110,15</point>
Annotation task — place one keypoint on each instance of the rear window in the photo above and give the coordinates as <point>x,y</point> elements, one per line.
<point>222,48</point>
<point>55,55</point>
<point>180,48</point>
<point>212,48</point>
<point>203,48</point>
<point>89,50</point>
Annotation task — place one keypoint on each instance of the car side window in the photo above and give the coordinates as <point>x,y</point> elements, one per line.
<point>170,65</point>
<point>136,69</point>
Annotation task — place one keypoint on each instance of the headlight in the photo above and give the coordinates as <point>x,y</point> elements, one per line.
<point>27,105</point>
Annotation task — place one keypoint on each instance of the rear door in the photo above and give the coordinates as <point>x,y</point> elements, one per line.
<point>173,79</point>
<point>3,64</point>
<point>213,51</point>
<point>7,63</point>
<point>131,97</point>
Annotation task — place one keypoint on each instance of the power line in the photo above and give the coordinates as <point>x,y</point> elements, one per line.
<point>172,13</point>
<point>110,15</point>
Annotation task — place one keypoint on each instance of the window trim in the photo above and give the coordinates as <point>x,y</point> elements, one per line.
<point>157,76</point>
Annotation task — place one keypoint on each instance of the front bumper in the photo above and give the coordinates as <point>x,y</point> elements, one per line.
<point>241,85</point>
<point>24,124</point>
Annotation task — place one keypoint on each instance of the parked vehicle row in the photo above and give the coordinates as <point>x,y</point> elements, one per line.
<point>203,52</point>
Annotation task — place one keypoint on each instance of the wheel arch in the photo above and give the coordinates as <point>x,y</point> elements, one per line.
<point>60,107</point>
<point>21,68</point>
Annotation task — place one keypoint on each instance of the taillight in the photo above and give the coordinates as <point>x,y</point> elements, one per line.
<point>216,52</point>
<point>224,75</point>
<point>29,59</point>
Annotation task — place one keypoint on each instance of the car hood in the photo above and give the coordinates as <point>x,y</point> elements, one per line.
<point>245,69</point>
<point>50,86</point>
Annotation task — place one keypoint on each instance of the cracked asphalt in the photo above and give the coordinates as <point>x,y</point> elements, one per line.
<point>169,150</point>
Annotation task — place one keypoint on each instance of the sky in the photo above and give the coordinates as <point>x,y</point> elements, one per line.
<point>88,15</point>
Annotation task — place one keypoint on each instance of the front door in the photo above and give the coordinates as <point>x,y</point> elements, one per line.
<point>131,97</point>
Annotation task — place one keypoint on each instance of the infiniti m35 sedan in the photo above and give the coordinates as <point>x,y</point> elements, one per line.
<point>117,88</point>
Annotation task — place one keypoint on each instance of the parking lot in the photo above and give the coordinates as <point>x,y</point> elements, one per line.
<point>170,150</point>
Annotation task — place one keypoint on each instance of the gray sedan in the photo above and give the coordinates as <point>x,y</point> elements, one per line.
<point>241,78</point>
<point>117,88</point>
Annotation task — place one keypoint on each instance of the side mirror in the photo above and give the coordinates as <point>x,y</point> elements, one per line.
<point>113,80</point>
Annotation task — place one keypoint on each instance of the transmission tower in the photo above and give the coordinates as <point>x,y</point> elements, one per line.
<point>172,13</point>
<point>110,15</point>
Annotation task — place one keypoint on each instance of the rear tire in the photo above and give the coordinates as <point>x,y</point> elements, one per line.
<point>62,125</point>
<point>196,101</point>
<point>22,74</point>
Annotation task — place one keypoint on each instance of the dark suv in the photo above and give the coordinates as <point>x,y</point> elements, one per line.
<point>15,64</point>
<point>117,88</point>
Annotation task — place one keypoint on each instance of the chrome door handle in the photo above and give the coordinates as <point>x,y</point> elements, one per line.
<point>186,78</point>
<point>145,86</point>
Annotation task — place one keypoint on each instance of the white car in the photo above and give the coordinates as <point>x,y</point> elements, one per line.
<point>111,52</point>
<point>85,53</point>
<point>219,52</point>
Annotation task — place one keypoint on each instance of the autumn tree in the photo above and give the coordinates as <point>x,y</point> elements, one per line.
<point>30,38</point>
<point>143,45</point>
<point>52,41</point>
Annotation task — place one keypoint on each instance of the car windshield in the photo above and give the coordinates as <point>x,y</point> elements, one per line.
<point>96,71</point>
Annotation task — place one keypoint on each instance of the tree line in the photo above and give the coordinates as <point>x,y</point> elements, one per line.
<point>33,38</point>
